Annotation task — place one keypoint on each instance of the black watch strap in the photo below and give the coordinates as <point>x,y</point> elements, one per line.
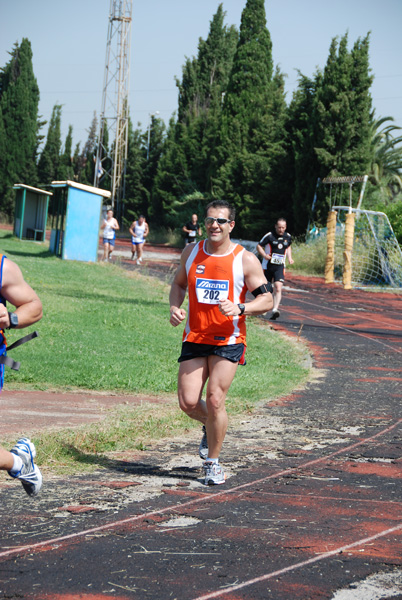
<point>242,309</point>
<point>13,320</point>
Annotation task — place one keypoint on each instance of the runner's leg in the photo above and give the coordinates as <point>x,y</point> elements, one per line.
<point>192,377</point>
<point>221,374</point>
<point>139,251</point>
<point>6,460</point>
<point>277,294</point>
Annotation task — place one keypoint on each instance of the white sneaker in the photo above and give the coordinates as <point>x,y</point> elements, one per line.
<point>214,474</point>
<point>29,474</point>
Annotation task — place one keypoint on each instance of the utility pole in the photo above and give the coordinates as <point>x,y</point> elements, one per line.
<point>111,154</point>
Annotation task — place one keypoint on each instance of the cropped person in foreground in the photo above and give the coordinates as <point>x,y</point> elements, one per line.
<point>216,273</point>
<point>19,462</point>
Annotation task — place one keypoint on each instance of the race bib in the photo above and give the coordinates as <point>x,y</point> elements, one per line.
<point>278,259</point>
<point>211,291</point>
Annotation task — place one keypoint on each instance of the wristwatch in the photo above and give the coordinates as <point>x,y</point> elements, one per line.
<point>242,308</point>
<point>13,320</point>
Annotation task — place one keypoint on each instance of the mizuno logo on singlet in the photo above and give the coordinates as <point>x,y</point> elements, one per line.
<point>212,284</point>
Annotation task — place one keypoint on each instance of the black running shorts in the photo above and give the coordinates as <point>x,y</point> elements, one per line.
<point>275,273</point>
<point>235,352</point>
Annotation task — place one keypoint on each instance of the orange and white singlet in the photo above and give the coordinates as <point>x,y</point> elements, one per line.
<point>212,278</point>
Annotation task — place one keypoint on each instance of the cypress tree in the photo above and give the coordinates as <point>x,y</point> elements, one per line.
<point>330,125</point>
<point>84,161</point>
<point>171,178</point>
<point>66,163</point>
<point>342,119</point>
<point>303,167</point>
<point>50,159</point>
<point>136,197</point>
<point>19,99</point>
<point>185,167</point>
<point>251,143</point>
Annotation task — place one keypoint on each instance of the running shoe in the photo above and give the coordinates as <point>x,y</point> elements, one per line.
<point>214,474</point>
<point>203,448</point>
<point>275,314</point>
<point>29,474</point>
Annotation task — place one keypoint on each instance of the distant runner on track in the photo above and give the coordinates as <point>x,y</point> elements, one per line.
<point>216,273</point>
<point>139,231</point>
<point>274,248</point>
<point>13,288</point>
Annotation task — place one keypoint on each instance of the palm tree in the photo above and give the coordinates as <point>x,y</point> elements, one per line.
<point>386,158</point>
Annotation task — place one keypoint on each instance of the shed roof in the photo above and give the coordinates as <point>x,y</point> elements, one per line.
<point>81,186</point>
<point>38,191</point>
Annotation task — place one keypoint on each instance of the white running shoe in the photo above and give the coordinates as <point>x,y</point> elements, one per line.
<point>29,474</point>
<point>214,474</point>
<point>203,447</point>
<point>275,314</point>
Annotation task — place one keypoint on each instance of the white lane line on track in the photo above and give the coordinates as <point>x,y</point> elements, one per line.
<point>205,498</point>
<point>300,565</point>
<point>343,311</point>
<point>329,324</point>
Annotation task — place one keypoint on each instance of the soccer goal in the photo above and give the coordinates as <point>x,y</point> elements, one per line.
<point>375,255</point>
<point>362,249</point>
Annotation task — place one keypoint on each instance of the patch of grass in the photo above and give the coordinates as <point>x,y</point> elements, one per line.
<point>309,258</point>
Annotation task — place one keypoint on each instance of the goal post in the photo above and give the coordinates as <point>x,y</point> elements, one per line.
<point>330,258</point>
<point>371,253</point>
<point>349,228</point>
<point>348,251</point>
<point>362,249</point>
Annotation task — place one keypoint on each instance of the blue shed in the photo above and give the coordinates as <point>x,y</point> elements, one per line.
<point>30,215</point>
<point>75,214</point>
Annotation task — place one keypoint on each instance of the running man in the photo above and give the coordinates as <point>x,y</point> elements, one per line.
<point>109,228</point>
<point>19,462</point>
<point>191,229</point>
<point>139,231</point>
<point>216,273</point>
<point>274,248</point>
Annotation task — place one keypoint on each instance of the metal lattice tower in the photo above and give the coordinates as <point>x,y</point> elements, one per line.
<point>111,155</point>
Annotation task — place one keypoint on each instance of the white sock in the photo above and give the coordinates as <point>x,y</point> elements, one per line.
<point>17,464</point>
<point>213,460</point>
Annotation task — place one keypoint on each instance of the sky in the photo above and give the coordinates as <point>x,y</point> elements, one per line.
<point>69,48</point>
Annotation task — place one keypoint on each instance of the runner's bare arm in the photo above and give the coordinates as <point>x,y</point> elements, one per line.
<point>178,290</point>
<point>17,291</point>
<point>261,251</point>
<point>254,278</point>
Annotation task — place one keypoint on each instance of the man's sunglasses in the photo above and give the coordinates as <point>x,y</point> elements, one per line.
<point>220,221</point>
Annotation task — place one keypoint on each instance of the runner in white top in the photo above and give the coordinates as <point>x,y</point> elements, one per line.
<point>109,228</point>
<point>139,231</point>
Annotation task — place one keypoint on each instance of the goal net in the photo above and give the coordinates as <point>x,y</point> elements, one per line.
<point>376,257</point>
